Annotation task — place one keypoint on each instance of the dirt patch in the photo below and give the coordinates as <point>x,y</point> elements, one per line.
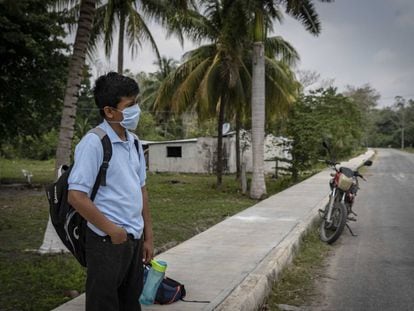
<point>13,190</point>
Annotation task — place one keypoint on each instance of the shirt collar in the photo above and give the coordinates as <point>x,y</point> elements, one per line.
<point>113,136</point>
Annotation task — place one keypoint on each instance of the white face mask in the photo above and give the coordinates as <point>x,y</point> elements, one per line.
<point>131,117</point>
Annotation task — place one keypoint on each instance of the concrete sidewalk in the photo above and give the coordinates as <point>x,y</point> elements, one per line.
<point>232,265</point>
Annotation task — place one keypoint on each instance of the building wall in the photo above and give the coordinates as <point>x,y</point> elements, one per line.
<point>273,147</point>
<point>200,156</point>
<point>188,163</point>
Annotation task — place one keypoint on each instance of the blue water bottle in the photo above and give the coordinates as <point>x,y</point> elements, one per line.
<point>153,280</point>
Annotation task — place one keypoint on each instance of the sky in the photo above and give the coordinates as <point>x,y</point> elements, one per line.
<point>362,41</point>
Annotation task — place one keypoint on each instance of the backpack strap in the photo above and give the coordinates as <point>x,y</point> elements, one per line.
<point>107,150</point>
<point>136,143</point>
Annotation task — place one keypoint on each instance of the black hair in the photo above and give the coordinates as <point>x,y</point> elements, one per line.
<point>110,88</point>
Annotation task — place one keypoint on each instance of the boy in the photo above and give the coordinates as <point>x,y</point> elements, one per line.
<point>119,235</point>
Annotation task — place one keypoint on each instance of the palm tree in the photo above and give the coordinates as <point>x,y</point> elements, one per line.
<point>129,18</point>
<point>122,16</point>
<point>76,65</point>
<point>150,84</point>
<point>152,81</point>
<point>265,12</point>
<point>281,90</point>
<point>51,242</point>
<point>215,78</point>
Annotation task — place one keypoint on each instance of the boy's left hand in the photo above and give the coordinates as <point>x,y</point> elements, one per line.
<point>148,251</point>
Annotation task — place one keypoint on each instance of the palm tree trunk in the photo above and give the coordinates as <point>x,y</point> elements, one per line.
<point>258,187</point>
<point>76,64</point>
<point>121,43</point>
<point>219,171</point>
<point>238,164</point>
<point>51,242</point>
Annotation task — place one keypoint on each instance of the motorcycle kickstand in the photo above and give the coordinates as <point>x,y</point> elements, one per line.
<point>349,228</point>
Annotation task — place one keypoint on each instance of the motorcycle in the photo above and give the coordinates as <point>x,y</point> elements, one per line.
<point>338,212</point>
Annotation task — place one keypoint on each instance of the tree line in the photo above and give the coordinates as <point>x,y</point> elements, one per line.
<point>237,74</point>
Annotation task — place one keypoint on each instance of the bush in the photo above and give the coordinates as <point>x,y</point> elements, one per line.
<point>31,147</point>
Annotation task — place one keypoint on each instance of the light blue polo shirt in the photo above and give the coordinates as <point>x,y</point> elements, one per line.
<point>121,199</point>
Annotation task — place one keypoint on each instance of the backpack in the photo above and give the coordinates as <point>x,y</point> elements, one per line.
<point>70,226</point>
<point>169,290</point>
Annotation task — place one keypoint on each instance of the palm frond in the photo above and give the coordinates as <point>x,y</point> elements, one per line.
<point>108,26</point>
<point>281,88</point>
<point>304,11</point>
<point>61,5</point>
<point>138,30</point>
<point>277,47</point>
<point>184,97</point>
<point>210,91</point>
<point>97,31</point>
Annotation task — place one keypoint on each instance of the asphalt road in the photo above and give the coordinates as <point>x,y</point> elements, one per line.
<point>375,270</point>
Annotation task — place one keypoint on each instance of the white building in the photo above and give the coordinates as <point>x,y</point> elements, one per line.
<point>198,155</point>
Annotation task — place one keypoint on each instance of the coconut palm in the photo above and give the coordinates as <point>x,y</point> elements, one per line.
<point>76,65</point>
<point>265,13</point>
<point>124,17</point>
<point>152,81</point>
<point>215,78</point>
<point>129,18</point>
<point>150,84</point>
<point>51,242</point>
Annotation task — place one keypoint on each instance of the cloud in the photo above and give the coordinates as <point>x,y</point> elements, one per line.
<point>384,56</point>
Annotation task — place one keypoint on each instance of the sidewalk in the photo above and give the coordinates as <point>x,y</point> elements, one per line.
<point>233,264</point>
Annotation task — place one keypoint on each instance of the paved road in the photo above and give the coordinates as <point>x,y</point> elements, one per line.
<point>375,271</point>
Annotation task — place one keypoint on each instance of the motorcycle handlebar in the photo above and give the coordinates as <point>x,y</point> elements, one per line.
<point>333,163</point>
<point>358,174</point>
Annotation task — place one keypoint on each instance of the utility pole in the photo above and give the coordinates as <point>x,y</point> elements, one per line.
<point>402,129</point>
<point>400,104</point>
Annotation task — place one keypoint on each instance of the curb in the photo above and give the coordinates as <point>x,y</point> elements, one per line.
<point>251,293</point>
<point>258,283</point>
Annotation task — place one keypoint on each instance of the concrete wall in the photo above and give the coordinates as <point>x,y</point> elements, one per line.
<point>199,156</point>
<point>188,163</point>
<point>272,148</point>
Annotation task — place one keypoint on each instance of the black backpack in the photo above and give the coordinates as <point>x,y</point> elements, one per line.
<point>169,290</point>
<point>70,226</point>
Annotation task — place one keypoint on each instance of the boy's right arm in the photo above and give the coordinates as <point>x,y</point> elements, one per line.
<point>81,202</point>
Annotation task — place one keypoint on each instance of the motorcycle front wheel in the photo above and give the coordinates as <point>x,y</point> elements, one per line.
<point>330,231</point>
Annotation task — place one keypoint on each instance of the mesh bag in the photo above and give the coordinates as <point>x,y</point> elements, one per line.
<point>344,182</point>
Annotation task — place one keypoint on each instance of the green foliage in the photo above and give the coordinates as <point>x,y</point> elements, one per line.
<point>87,114</point>
<point>366,98</point>
<point>147,128</point>
<point>323,115</point>
<point>32,69</point>
<point>389,122</point>
<point>40,147</point>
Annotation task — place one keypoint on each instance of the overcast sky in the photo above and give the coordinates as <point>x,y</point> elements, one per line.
<point>362,41</point>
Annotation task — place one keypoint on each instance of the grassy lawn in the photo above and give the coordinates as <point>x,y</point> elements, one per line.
<point>410,150</point>
<point>11,171</point>
<point>182,205</point>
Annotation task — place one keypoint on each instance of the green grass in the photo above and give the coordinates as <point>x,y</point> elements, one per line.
<point>182,205</point>
<point>295,286</point>
<point>11,171</point>
<point>410,150</point>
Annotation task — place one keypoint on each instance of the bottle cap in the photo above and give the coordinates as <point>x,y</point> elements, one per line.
<point>159,265</point>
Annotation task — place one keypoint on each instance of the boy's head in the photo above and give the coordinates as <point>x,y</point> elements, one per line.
<point>111,89</point>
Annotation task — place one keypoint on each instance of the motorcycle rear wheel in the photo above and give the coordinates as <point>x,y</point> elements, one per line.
<point>329,232</point>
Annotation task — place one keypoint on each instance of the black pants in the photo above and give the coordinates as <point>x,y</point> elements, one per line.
<point>114,275</point>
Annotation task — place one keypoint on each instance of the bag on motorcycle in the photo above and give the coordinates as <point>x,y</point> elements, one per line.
<point>344,182</point>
